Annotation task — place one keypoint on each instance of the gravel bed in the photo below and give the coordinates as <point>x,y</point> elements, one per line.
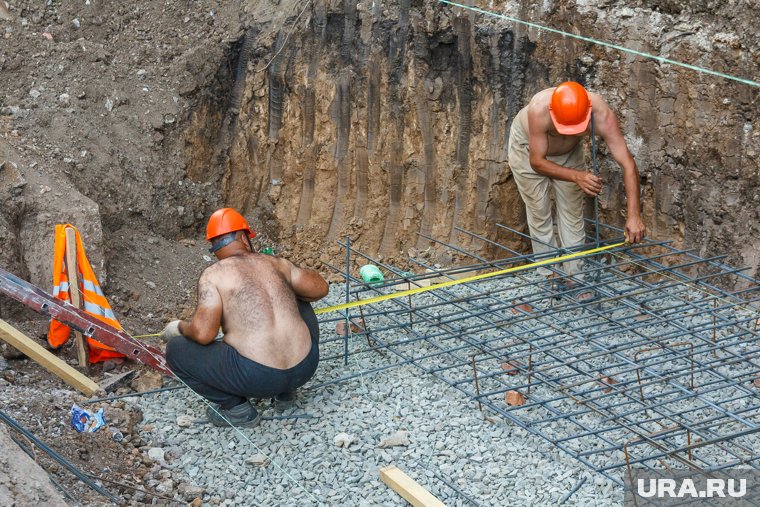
<point>462,455</point>
<point>451,444</point>
<point>490,461</point>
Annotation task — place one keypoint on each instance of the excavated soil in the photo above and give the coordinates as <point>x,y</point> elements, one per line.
<point>383,121</point>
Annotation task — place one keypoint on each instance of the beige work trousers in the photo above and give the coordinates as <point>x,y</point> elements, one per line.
<point>534,190</point>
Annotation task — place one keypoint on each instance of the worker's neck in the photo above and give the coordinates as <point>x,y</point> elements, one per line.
<point>232,250</point>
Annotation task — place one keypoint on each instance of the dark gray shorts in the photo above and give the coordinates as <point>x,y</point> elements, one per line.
<point>222,375</point>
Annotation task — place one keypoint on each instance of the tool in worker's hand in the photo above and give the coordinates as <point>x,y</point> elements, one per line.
<point>170,331</point>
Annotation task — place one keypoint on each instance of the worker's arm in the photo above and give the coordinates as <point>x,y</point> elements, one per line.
<point>204,325</point>
<point>308,285</point>
<point>607,126</point>
<point>538,144</point>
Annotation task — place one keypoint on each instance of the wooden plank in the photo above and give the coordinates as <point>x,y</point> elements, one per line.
<point>408,488</point>
<point>51,363</point>
<point>73,273</point>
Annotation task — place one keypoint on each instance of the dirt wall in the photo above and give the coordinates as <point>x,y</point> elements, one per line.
<point>395,119</point>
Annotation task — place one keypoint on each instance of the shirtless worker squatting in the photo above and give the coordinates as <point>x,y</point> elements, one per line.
<point>545,151</point>
<point>270,342</point>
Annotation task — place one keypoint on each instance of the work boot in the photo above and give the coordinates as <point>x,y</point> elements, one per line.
<point>284,401</point>
<point>244,415</point>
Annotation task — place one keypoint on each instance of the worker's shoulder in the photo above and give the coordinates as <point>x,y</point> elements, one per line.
<point>541,99</point>
<point>537,111</point>
<point>597,101</point>
<point>246,262</point>
<point>220,267</point>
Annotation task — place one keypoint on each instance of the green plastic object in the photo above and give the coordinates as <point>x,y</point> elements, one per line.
<point>371,274</point>
<point>267,250</point>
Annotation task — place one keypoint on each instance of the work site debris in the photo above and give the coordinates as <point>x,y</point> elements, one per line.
<point>514,398</point>
<point>524,307</point>
<point>357,326</point>
<point>111,382</point>
<point>608,381</point>
<point>400,438</point>
<point>511,367</point>
<point>259,460</point>
<point>85,421</point>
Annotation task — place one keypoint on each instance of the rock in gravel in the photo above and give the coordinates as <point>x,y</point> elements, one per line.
<point>5,14</point>
<point>166,486</point>
<point>3,364</point>
<point>185,421</point>
<point>514,398</point>
<point>343,439</point>
<point>511,367</point>
<point>6,350</point>
<point>174,452</point>
<point>258,460</point>
<point>400,438</point>
<point>156,454</point>
<point>148,380</point>
<point>189,491</point>
<point>607,382</point>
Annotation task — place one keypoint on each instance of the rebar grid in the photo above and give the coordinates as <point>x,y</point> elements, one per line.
<point>657,369</point>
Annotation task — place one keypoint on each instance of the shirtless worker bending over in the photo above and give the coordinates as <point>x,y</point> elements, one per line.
<point>545,151</point>
<point>270,345</point>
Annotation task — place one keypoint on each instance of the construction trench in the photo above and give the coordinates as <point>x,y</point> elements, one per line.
<point>356,133</point>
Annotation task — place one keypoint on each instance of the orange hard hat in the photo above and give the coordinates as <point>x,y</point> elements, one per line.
<point>570,108</point>
<point>226,220</point>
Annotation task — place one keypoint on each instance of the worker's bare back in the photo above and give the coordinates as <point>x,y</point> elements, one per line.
<point>260,317</point>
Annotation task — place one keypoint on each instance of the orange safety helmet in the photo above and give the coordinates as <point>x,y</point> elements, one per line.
<point>227,220</point>
<point>570,108</point>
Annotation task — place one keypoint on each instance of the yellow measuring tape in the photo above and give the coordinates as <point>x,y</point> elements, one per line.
<point>417,290</point>
<point>441,285</point>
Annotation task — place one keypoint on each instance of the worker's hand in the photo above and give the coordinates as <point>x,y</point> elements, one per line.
<point>590,184</point>
<point>170,331</point>
<point>635,230</point>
